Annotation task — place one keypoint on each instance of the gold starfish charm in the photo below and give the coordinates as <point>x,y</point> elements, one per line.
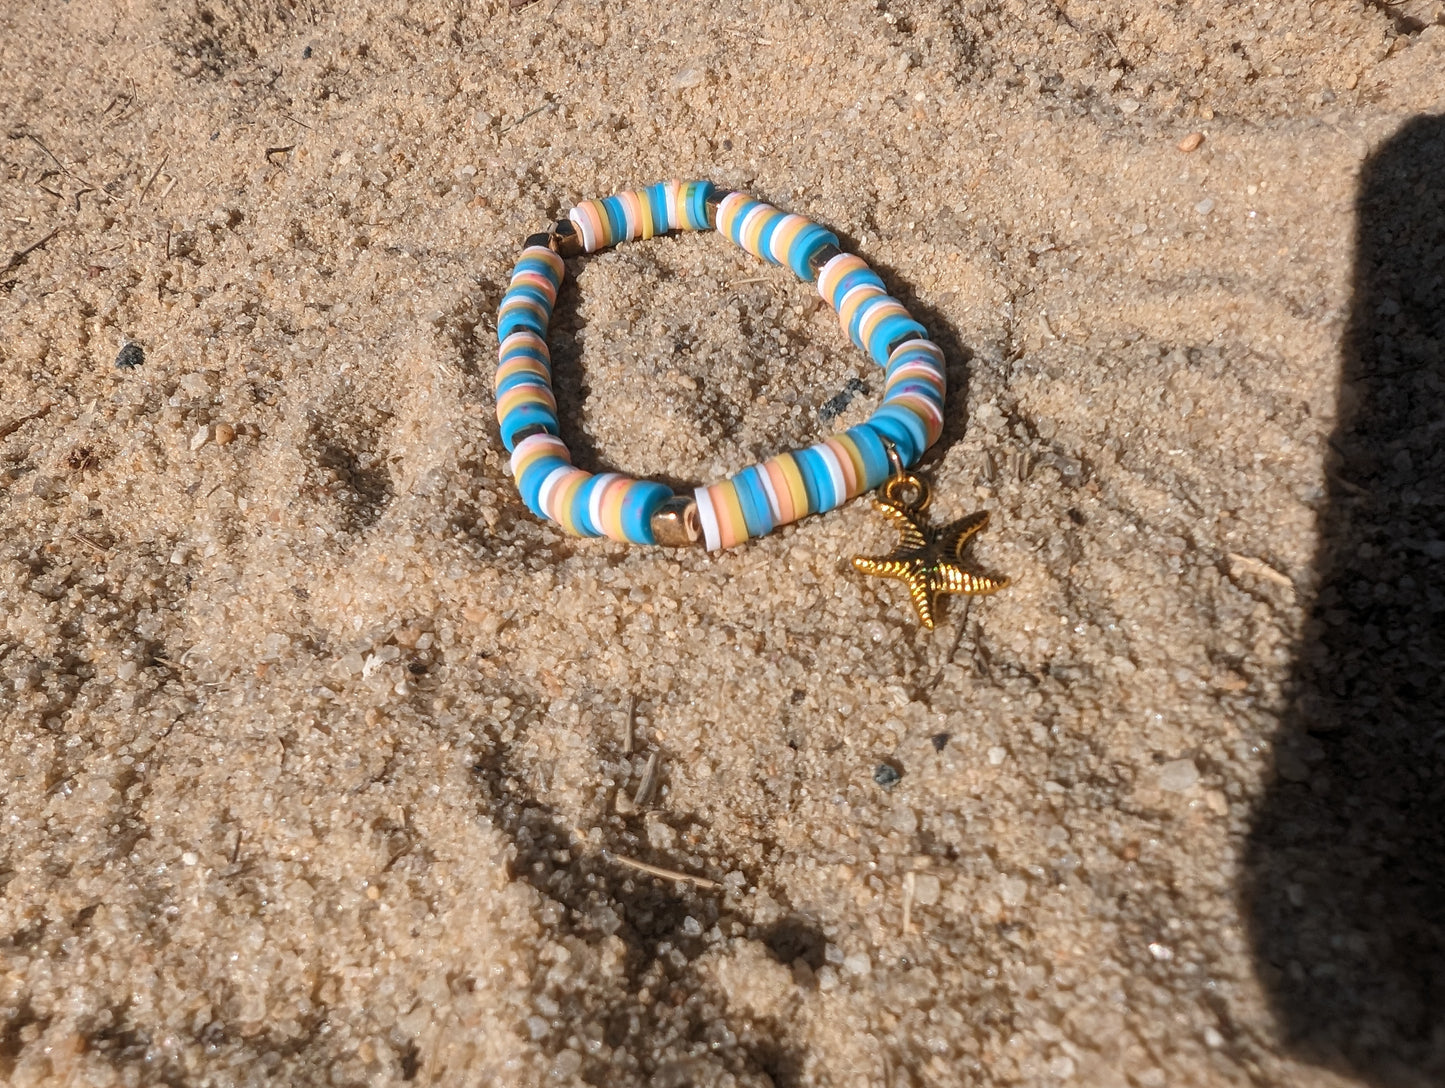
<point>928,560</point>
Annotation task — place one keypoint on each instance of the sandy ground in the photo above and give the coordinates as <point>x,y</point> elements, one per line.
<point>316,764</point>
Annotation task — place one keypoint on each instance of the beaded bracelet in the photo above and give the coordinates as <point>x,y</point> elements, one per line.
<point>761,497</point>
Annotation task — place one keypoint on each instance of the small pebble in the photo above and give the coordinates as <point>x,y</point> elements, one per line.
<point>1212,1038</point>
<point>1013,890</point>
<point>858,964</point>
<point>1178,775</point>
<point>886,775</point>
<point>940,741</point>
<point>926,889</point>
<point>1205,206</point>
<point>225,434</point>
<point>189,858</point>
<point>200,438</point>
<point>1161,952</point>
<point>687,78</point>
<point>1191,142</point>
<point>996,756</point>
<point>904,821</point>
<point>565,1065</point>
<point>131,356</point>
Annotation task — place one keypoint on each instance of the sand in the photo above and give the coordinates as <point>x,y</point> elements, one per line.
<point>321,753</point>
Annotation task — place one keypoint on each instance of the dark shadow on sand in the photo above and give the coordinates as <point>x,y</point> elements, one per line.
<point>1345,867</point>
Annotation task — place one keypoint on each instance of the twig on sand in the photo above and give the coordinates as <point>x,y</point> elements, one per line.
<point>101,548</point>
<point>648,868</point>
<point>659,871</point>
<point>530,114</point>
<point>629,730</point>
<point>18,258</point>
<point>7,429</point>
<point>910,880</point>
<point>21,134</point>
<point>649,780</point>
<point>1261,568</point>
<point>154,174</point>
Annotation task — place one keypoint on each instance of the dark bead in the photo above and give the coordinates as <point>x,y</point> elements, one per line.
<point>541,239</point>
<point>822,257</point>
<point>907,336</point>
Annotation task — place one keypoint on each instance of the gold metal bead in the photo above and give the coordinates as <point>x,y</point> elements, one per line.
<point>714,198</point>
<point>675,523</point>
<point>566,242</point>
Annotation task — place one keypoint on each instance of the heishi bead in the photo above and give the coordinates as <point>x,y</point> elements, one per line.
<point>533,461</point>
<point>524,396</point>
<point>641,213</point>
<point>773,235</point>
<point>763,496</point>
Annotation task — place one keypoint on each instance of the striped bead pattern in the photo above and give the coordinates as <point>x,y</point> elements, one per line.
<point>763,496</point>
<point>641,213</point>
<point>774,236</point>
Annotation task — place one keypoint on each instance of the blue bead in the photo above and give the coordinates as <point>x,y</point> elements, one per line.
<point>757,511</point>
<point>855,327</point>
<point>697,205</point>
<point>736,231</point>
<point>876,466</point>
<point>538,265</point>
<point>765,236</point>
<point>581,504</point>
<point>887,331</point>
<point>531,481</point>
<point>817,481</point>
<point>525,377</point>
<point>902,428</point>
<point>513,320</point>
<point>657,201</point>
<point>918,387</point>
<point>810,239</point>
<point>616,219</point>
<point>638,506</point>
<point>912,354</point>
<point>526,290</point>
<point>852,280</point>
<point>524,415</point>
<point>519,321</point>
